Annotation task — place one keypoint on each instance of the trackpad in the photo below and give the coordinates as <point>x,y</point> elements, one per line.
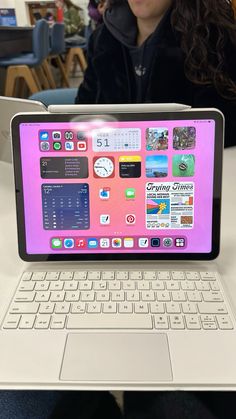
<point>123,357</point>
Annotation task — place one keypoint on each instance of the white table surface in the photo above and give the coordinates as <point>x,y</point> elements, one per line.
<point>11,265</point>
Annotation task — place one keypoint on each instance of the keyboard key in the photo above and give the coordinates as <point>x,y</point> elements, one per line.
<point>71,286</point>
<point>212,296</point>
<point>156,308</point>
<point>157,285</point>
<point>187,285</point>
<point>56,286</point>
<point>105,321</point>
<point>129,285</point>
<point>189,308</point>
<point>109,308</point>
<point>125,308</point>
<point>163,296</point>
<point>115,285</point>
<point>170,285</point>
<point>207,318</point>
<point>102,296</point>
<point>57,296</point>
<point>66,276</point>
<point>192,322</point>
<point>224,322</point>
<point>25,296</point>
<point>27,321</point>
<point>203,286</point>
<point>177,322</point>
<point>94,308</point>
<point>28,285</point>
<point>212,308</point>
<point>72,296</point>
<point>46,308</point>
<point>100,285</point>
<point>163,275</point>
<point>42,296</point>
<point>208,276</point>
<point>178,275</point>
<point>173,308</point>
<point>194,296</point>
<point>52,276</point>
<point>24,308</point>
<point>58,321</point>
<point>62,308</point>
<point>132,296</point>
<point>192,276</point>
<point>42,286</point>
<point>136,275</point>
<point>87,296</point>
<point>147,296</point>
<point>122,275</point>
<point>80,275</point>
<point>42,321</point>
<point>214,286</point>
<point>107,275</point>
<point>85,285</point>
<point>26,276</point>
<point>11,321</point>
<point>117,295</point>
<point>209,325</point>
<point>161,322</point>
<point>149,275</point>
<point>78,308</point>
<point>143,285</point>
<point>178,296</point>
<point>94,275</point>
<point>38,276</point>
<point>141,307</point>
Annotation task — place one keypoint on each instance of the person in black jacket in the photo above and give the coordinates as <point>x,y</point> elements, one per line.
<point>165,51</point>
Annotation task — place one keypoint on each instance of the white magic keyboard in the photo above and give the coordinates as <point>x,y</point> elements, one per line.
<point>158,300</point>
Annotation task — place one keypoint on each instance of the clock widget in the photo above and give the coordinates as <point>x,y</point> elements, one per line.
<point>104,167</point>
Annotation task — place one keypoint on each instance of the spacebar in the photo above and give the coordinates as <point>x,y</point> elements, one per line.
<point>108,321</point>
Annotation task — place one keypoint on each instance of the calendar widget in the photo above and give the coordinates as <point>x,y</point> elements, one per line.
<point>65,206</point>
<point>64,167</point>
<point>120,139</point>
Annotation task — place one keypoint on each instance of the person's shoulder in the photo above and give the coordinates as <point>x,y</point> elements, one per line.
<point>101,39</point>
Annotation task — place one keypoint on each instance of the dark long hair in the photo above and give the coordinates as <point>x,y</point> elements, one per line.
<point>207,31</point>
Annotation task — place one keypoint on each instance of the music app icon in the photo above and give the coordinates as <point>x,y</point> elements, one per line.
<point>80,243</point>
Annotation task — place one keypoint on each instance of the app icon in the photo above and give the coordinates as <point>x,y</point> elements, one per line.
<point>130,219</point>
<point>82,145</point>
<point>69,146</point>
<point>143,242</point>
<point>180,242</point>
<point>43,135</point>
<point>81,135</point>
<point>116,242</point>
<point>128,242</point>
<point>56,135</point>
<point>104,243</point>
<point>167,242</point>
<point>92,243</point>
<point>80,243</point>
<point>69,243</point>
<point>155,242</point>
<point>105,219</point>
<point>104,193</point>
<point>44,146</point>
<point>56,243</point>
<point>130,193</point>
<point>69,135</point>
<point>57,146</point>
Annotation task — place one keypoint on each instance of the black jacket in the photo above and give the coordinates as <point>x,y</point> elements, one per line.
<point>109,77</point>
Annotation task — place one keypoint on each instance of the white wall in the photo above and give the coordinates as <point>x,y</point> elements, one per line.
<point>21,8</point>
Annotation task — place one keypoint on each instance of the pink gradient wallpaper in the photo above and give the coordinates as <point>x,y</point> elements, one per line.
<point>148,184</point>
